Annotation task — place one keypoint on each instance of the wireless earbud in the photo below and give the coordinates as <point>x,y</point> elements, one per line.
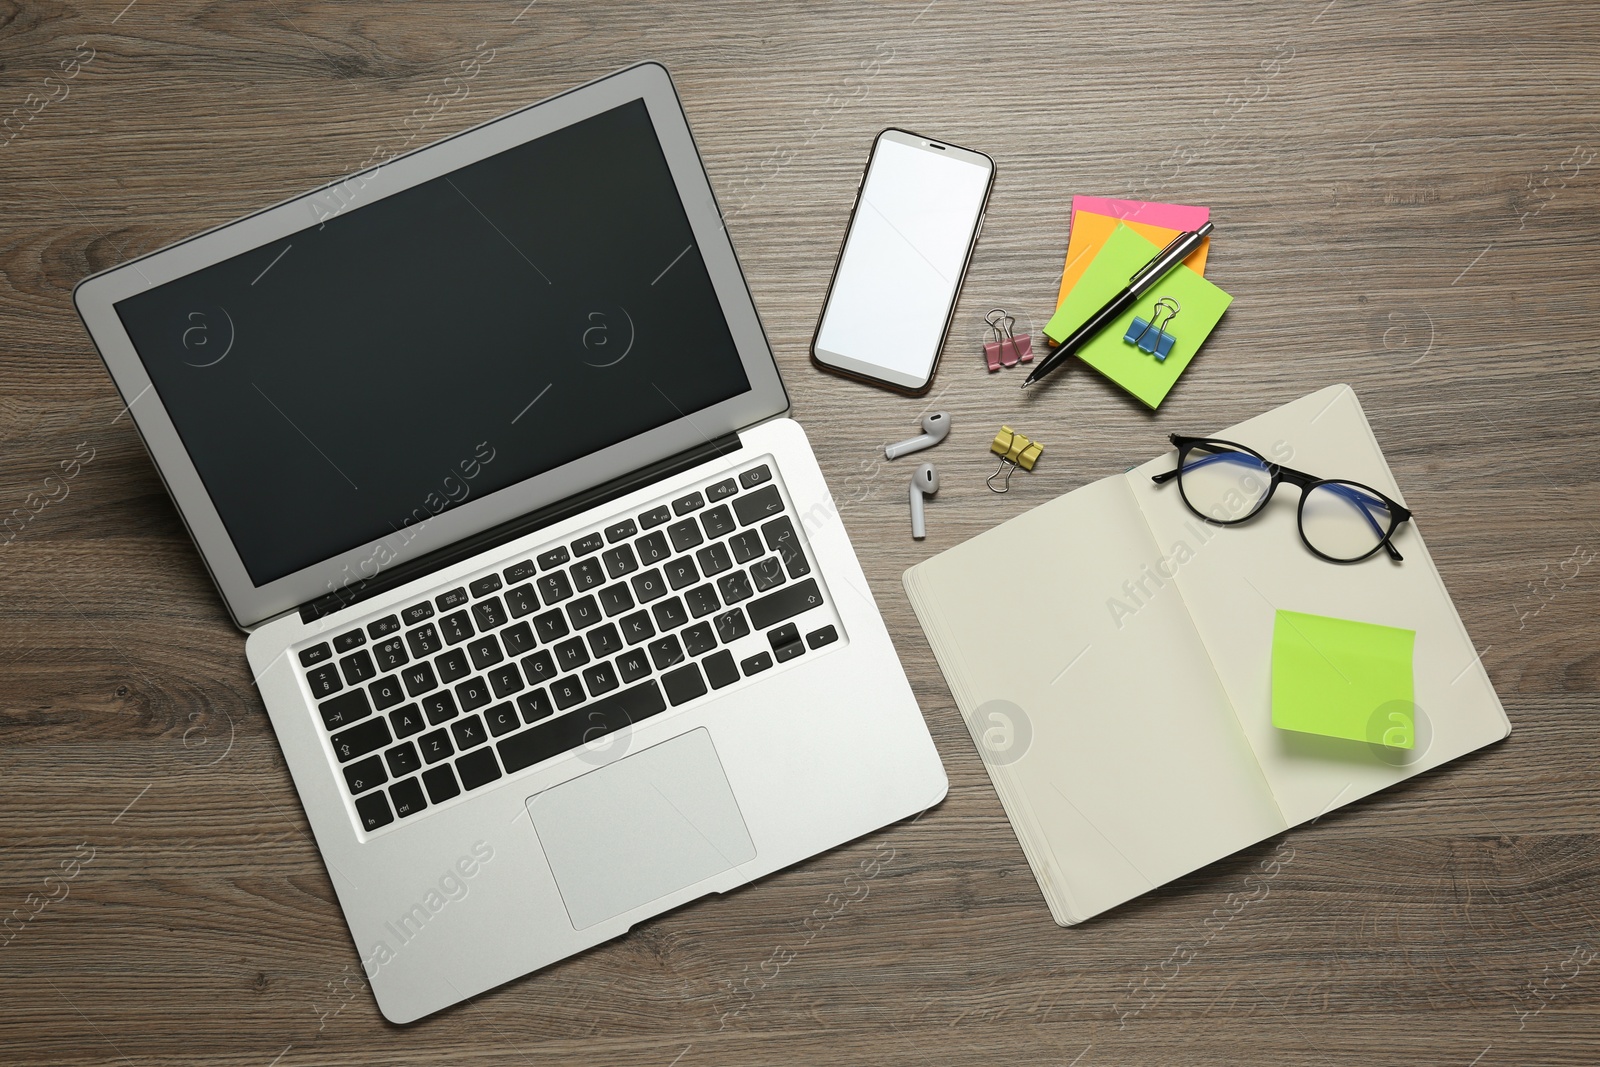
<point>924,482</point>
<point>935,428</point>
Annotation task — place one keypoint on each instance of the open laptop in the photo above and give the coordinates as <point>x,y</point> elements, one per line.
<point>548,603</point>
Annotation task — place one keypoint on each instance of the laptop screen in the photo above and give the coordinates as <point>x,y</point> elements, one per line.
<point>396,359</point>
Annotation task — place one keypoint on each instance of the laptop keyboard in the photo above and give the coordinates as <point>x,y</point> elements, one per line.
<point>647,612</point>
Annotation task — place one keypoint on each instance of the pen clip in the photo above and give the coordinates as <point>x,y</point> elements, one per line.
<point>1161,255</point>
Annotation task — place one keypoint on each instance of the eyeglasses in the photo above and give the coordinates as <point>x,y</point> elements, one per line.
<point>1340,521</point>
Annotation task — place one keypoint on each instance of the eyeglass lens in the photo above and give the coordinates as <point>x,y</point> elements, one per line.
<point>1223,484</point>
<point>1344,521</point>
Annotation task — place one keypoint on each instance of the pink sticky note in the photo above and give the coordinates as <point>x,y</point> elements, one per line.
<point>1172,216</point>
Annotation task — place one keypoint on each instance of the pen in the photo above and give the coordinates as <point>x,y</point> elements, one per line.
<point>1143,278</point>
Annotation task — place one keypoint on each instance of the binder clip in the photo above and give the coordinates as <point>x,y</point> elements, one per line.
<point>1014,451</point>
<point>1159,343</point>
<point>1006,349</point>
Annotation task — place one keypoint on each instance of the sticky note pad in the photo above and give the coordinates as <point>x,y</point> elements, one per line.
<point>1201,306</point>
<point>1173,216</point>
<point>1089,234</point>
<point>1341,678</point>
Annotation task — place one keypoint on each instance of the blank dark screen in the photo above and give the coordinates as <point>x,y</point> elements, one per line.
<point>343,382</point>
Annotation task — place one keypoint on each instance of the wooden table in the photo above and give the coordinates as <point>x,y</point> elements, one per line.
<point>1406,199</point>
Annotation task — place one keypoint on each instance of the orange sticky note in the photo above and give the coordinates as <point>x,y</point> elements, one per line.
<point>1091,231</point>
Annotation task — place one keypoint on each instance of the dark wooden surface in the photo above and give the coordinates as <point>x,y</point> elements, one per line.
<point>1406,198</point>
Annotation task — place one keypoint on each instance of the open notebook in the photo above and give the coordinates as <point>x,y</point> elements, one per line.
<point>1136,743</point>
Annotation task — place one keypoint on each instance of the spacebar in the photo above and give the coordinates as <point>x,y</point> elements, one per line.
<point>592,720</point>
<point>784,604</point>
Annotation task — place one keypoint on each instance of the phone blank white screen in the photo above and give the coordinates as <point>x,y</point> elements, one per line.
<point>902,261</point>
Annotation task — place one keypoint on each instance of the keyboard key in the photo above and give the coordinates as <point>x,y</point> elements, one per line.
<point>522,600</point>
<point>601,678</point>
<point>478,768</point>
<point>584,613</point>
<point>436,746</point>
<point>564,733</point>
<point>653,548</point>
<point>767,573</point>
<point>501,719</point>
<point>570,655</point>
<point>310,657</point>
<point>489,614</point>
<point>518,639</point>
<point>720,670</point>
<point>386,693</point>
<point>665,652</point>
<point>385,626</point>
<point>784,604</point>
<point>452,666</point>
<point>519,572</point>
<point>619,561</point>
<point>374,811</point>
<point>551,626</point>
<point>566,692</point>
<point>505,680</point>
<point>390,654</point>
<point>358,667</point>
<point>632,666</point>
<point>472,693</point>
<point>368,774</point>
<point>685,504</point>
<point>685,535</point>
<point>746,546</point>
<point>825,636</point>
<point>717,522</point>
<point>407,797</point>
<point>588,544</point>
<point>699,639</point>
<point>655,517</point>
<point>670,614</point>
<point>782,539</point>
<point>755,476</point>
<point>324,681</point>
<point>441,783</point>
<point>621,531</point>
<point>419,678</point>
<point>681,572</point>
<point>417,612</point>
<point>402,759</point>
<point>406,721</point>
<point>456,628</point>
<point>735,587</point>
<point>344,710</point>
<point>440,707</point>
<point>538,668</point>
<point>761,504</point>
<point>357,741</point>
<point>345,642</point>
<point>455,598</point>
<point>485,652</point>
<point>637,627</point>
<point>535,706</point>
<point>714,559</point>
<point>724,488</point>
<point>783,635</point>
<point>702,600</point>
<point>605,641</point>
<point>469,733</point>
<point>588,575</point>
<point>756,663</point>
<point>554,558</point>
<point>789,651</point>
<point>731,626</point>
<point>683,684</point>
<point>615,599</point>
<point>648,586</point>
<point>424,641</point>
<point>485,585</point>
<point>554,587</point>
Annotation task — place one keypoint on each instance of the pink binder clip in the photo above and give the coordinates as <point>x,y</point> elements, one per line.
<point>1006,349</point>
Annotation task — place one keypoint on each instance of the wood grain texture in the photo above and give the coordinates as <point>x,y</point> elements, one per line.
<point>1405,202</point>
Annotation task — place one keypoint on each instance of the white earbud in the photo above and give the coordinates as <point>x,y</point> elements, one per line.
<point>935,428</point>
<point>924,482</point>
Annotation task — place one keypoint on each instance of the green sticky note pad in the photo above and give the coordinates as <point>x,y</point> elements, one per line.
<point>1341,678</point>
<point>1200,303</point>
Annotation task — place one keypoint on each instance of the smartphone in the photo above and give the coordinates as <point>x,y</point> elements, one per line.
<point>918,213</point>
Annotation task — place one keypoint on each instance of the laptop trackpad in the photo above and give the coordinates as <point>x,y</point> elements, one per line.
<point>638,829</point>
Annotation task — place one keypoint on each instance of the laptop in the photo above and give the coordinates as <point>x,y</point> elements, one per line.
<point>547,600</point>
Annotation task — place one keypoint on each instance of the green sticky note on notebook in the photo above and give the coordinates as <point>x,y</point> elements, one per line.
<point>1341,678</point>
<point>1200,304</point>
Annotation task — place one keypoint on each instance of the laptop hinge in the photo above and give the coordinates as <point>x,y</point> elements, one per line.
<point>401,573</point>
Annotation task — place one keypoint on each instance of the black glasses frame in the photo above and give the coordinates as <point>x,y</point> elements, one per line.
<point>1279,474</point>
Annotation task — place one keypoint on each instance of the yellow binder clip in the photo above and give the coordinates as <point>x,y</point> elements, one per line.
<point>1014,451</point>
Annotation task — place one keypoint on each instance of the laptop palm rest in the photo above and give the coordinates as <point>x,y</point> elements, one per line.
<point>640,828</point>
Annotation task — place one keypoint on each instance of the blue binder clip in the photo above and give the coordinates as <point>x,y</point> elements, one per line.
<point>1152,336</point>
